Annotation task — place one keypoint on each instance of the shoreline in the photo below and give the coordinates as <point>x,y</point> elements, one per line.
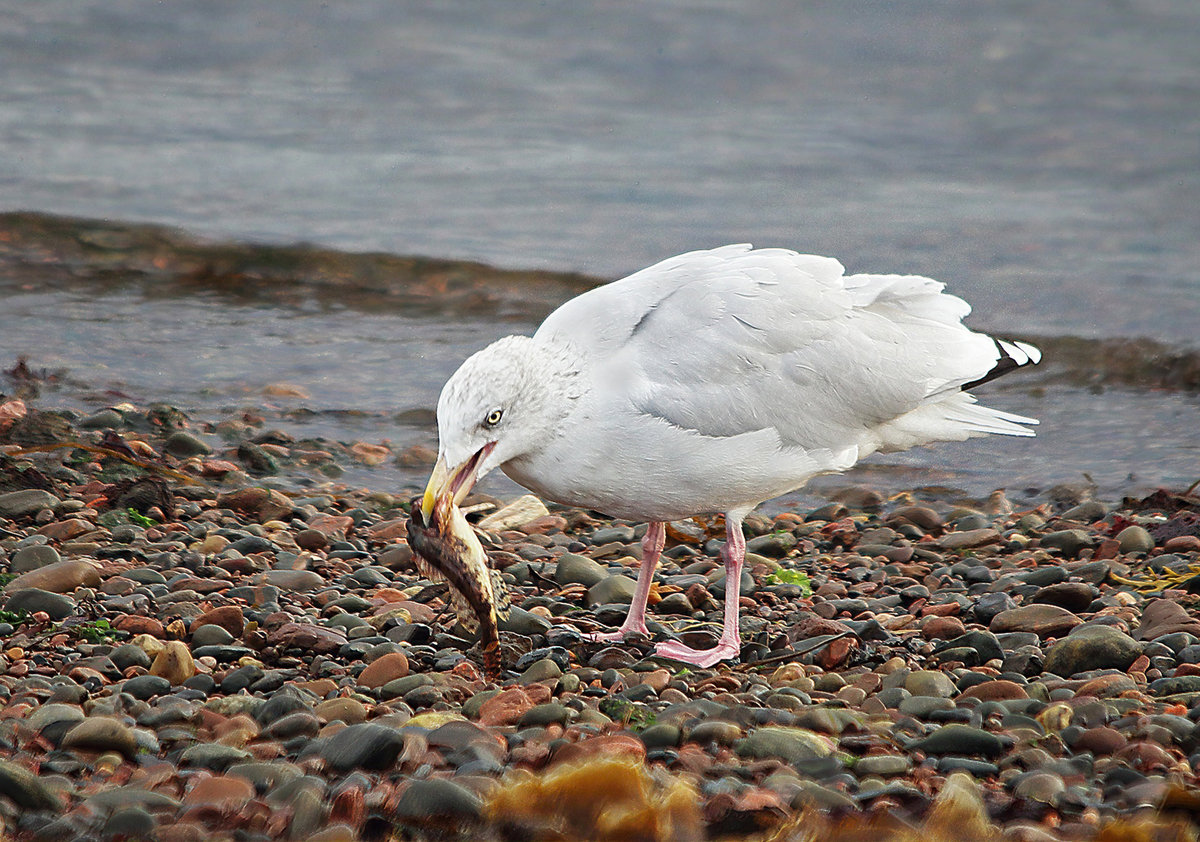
<point>198,659</point>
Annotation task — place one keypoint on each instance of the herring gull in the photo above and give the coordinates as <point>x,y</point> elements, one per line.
<point>712,382</point>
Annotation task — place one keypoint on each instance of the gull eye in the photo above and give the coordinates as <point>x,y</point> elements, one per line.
<point>493,417</point>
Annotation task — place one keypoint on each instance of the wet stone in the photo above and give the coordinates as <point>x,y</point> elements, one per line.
<point>146,687</point>
<point>579,570</point>
<point>102,733</point>
<point>183,445</point>
<point>31,558</point>
<point>1135,539</point>
<point>18,504</point>
<point>1092,648</point>
<point>25,789</point>
<point>210,635</point>
<point>129,823</point>
<point>1067,541</point>
<point>61,577</point>
<point>790,744</point>
<point>547,714</point>
<point>930,683</point>
<point>615,589</point>
<point>960,739</point>
<point>32,600</point>
<point>1042,620</point>
<point>883,765</point>
<point>213,756</point>
<point>363,746</point>
<point>437,798</point>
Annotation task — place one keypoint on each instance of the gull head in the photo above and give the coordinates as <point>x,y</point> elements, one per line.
<point>503,402</point>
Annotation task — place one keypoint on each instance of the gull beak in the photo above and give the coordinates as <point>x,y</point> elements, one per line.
<point>453,484</point>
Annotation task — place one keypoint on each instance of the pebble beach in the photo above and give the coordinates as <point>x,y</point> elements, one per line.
<point>207,638</point>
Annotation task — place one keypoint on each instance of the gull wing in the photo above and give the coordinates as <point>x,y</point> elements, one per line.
<point>736,340</point>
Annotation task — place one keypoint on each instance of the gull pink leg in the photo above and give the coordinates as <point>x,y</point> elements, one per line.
<point>730,644</point>
<point>635,620</point>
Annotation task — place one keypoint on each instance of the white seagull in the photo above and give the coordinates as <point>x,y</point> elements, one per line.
<point>712,382</point>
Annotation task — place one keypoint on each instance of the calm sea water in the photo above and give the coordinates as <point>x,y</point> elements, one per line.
<point>1040,156</point>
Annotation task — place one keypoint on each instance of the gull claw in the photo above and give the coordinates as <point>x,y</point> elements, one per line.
<point>619,635</point>
<point>704,658</point>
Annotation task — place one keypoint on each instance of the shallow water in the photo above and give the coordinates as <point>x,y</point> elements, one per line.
<point>372,373</point>
<point>1039,157</point>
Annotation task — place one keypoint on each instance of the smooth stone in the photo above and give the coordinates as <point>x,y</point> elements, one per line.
<point>301,723</point>
<point>125,797</point>
<point>437,798</point>
<point>32,600</point>
<point>384,670</point>
<point>61,577</point>
<point>608,534</point>
<point>661,736</point>
<point>1135,539</point>
<point>542,670</point>
<point>366,745</point>
<point>1073,596</point>
<point>265,776</point>
<point>402,686</point>
<point>883,765</point>
<point>1092,648</point>
<point>575,569</point>
<point>930,683</point>
<point>145,576</point>
<point>979,768</point>
<point>174,663</point>
<point>1038,786</point>
<point>129,823</point>
<point>229,617</point>
<point>1161,617</point>
<point>922,706</point>
<point>25,789</point>
<point>1067,541</point>
<point>102,733</point>
<point>1043,620</point>
<point>32,558</point>
<point>104,419</point>
<point>52,713</point>
<point>283,702</point>
<point>990,604</point>
<point>611,590</point>
<point>1089,511</point>
<point>1175,684</point>
<point>520,621</point>
<point>211,635</point>
<point>718,731</point>
<point>791,744</point>
<point>216,757</point>
<point>146,687</point>
<point>184,445</point>
<point>30,501</point>
<point>548,714</point>
<point>984,644</point>
<point>959,739</point>
<point>291,580</point>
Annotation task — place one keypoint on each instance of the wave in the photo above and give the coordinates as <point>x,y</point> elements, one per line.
<point>40,251</point>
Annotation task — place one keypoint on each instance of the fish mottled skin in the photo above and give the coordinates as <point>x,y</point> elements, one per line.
<point>448,549</point>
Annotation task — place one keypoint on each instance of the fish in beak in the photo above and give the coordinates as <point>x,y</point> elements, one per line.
<point>446,548</point>
<point>455,484</point>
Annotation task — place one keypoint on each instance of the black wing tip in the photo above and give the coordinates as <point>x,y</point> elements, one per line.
<point>1013,355</point>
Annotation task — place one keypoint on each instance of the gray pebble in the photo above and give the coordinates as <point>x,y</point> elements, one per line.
<point>31,558</point>
<point>579,570</point>
<point>1089,648</point>
<point>30,501</point>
